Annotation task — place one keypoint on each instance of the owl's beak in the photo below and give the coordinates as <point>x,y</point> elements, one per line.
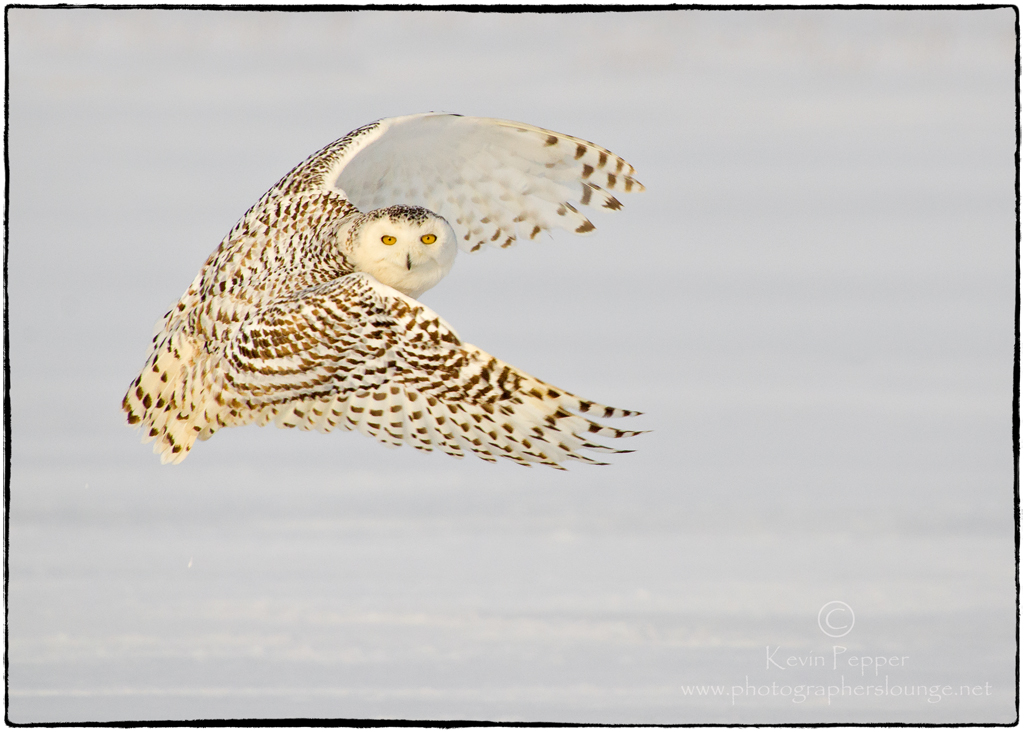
<point>408,261</point>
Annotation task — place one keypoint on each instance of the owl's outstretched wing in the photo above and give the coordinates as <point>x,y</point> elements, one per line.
<point>493,180</point>
<point>358,355</point>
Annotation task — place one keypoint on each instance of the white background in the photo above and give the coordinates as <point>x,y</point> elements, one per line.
<point>812,303</point>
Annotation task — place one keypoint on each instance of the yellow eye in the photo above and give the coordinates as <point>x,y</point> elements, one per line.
<point>388,239</point>
<point>428,238</point>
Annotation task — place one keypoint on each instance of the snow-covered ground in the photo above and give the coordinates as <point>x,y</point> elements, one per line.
<point>812,303</point>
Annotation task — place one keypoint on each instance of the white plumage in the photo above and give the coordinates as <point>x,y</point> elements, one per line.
<point>305,315</point>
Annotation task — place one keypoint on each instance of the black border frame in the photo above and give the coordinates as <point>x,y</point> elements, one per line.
<point>497,8</point>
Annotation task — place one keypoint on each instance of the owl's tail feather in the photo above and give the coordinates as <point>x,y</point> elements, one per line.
<point>169,397</point>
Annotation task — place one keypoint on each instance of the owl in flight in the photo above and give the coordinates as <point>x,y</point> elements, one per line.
<point>306,315</point>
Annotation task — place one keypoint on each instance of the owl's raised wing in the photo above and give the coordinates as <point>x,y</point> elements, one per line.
<point>493,180</point>
<point>358,355</point>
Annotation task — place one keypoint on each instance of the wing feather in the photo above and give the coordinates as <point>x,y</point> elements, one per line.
<point>362,356</point>
<point>495,181</point>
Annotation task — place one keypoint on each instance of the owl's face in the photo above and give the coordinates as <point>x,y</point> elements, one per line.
<point>405,247</point>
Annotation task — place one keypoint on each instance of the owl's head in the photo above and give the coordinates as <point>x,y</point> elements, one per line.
<point>405,247</point>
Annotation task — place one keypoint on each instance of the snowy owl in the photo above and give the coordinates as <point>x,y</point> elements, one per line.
<point>306,315</point>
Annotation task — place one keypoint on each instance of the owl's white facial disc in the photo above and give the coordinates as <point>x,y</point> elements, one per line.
<point>405,247</point>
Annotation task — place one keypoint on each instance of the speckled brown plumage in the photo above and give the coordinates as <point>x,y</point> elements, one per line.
<point>278,326</point>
